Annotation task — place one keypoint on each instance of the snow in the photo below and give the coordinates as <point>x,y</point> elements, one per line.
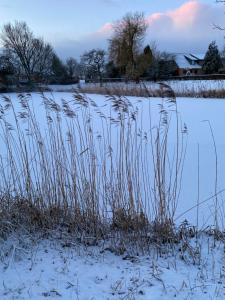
<point>61,87</point>
<point>53,270</point>
<point>181,87</point>
<point>195,86</point>
<point>195,113</point>
<point>186,87</point>
<point>184,63</point>
<point>199,56</point>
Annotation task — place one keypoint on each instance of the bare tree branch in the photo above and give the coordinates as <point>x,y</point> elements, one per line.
<point>33,53</point>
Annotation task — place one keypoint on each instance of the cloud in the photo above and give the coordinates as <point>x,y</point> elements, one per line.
<point>186,28</point>
<point>184,16</point>
<point>106,29</point>
<point>76,48</point>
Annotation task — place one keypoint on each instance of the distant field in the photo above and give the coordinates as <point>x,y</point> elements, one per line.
<point>182,88</point>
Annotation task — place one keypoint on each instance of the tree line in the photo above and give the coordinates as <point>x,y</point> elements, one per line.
<point>30,58</point>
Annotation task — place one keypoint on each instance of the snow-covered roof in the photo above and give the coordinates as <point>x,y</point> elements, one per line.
<point>186,61</point>
<point>199,56</point>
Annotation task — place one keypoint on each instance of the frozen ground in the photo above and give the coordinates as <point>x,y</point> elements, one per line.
<point>53,270</point>
<point>61,87</point>
<point>195,86</point>
<point>179,86</point>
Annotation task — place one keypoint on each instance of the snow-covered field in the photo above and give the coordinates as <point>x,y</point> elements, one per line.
<point>61,87</point>
<point>51,270</point>
<point>180,87</point>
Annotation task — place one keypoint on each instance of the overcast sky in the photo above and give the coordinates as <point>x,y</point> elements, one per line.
<point>73,26</point>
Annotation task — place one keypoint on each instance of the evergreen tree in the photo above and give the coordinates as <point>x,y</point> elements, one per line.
<point>143,63</point>
<point>212,61</point>
<point>111,71</point>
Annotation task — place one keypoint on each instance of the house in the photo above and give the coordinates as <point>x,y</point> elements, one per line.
<point>188,64</point>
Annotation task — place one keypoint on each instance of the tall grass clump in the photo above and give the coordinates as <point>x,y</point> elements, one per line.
<point>91,169</point>
<point>182,88</point>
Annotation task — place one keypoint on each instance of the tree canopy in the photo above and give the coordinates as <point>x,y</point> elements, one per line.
<point>31,53</point>
<point>126,44</point>
<point>212,61</point>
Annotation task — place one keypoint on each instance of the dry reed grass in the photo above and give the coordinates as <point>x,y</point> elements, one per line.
<point>119,184</point>
<point>153,90</point>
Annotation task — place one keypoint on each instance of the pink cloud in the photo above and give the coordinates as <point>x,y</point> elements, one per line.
<point>191,14</point>
<point>154,18</point>
<point>186,14</point>
<point>186,28</point>
<point>106,28</point>
<point>180,18</point>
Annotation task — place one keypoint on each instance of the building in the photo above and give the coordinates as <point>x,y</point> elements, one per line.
<point>188,64</point>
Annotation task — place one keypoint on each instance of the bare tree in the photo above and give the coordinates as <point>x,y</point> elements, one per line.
<point>59,71</point>
<point>41,64</point>
<point>73,68</point>
<point>33,54</point>
<point>126,44</point>
<point>94,63</point>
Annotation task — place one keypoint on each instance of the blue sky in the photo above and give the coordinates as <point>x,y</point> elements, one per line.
<point>74,25</point>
